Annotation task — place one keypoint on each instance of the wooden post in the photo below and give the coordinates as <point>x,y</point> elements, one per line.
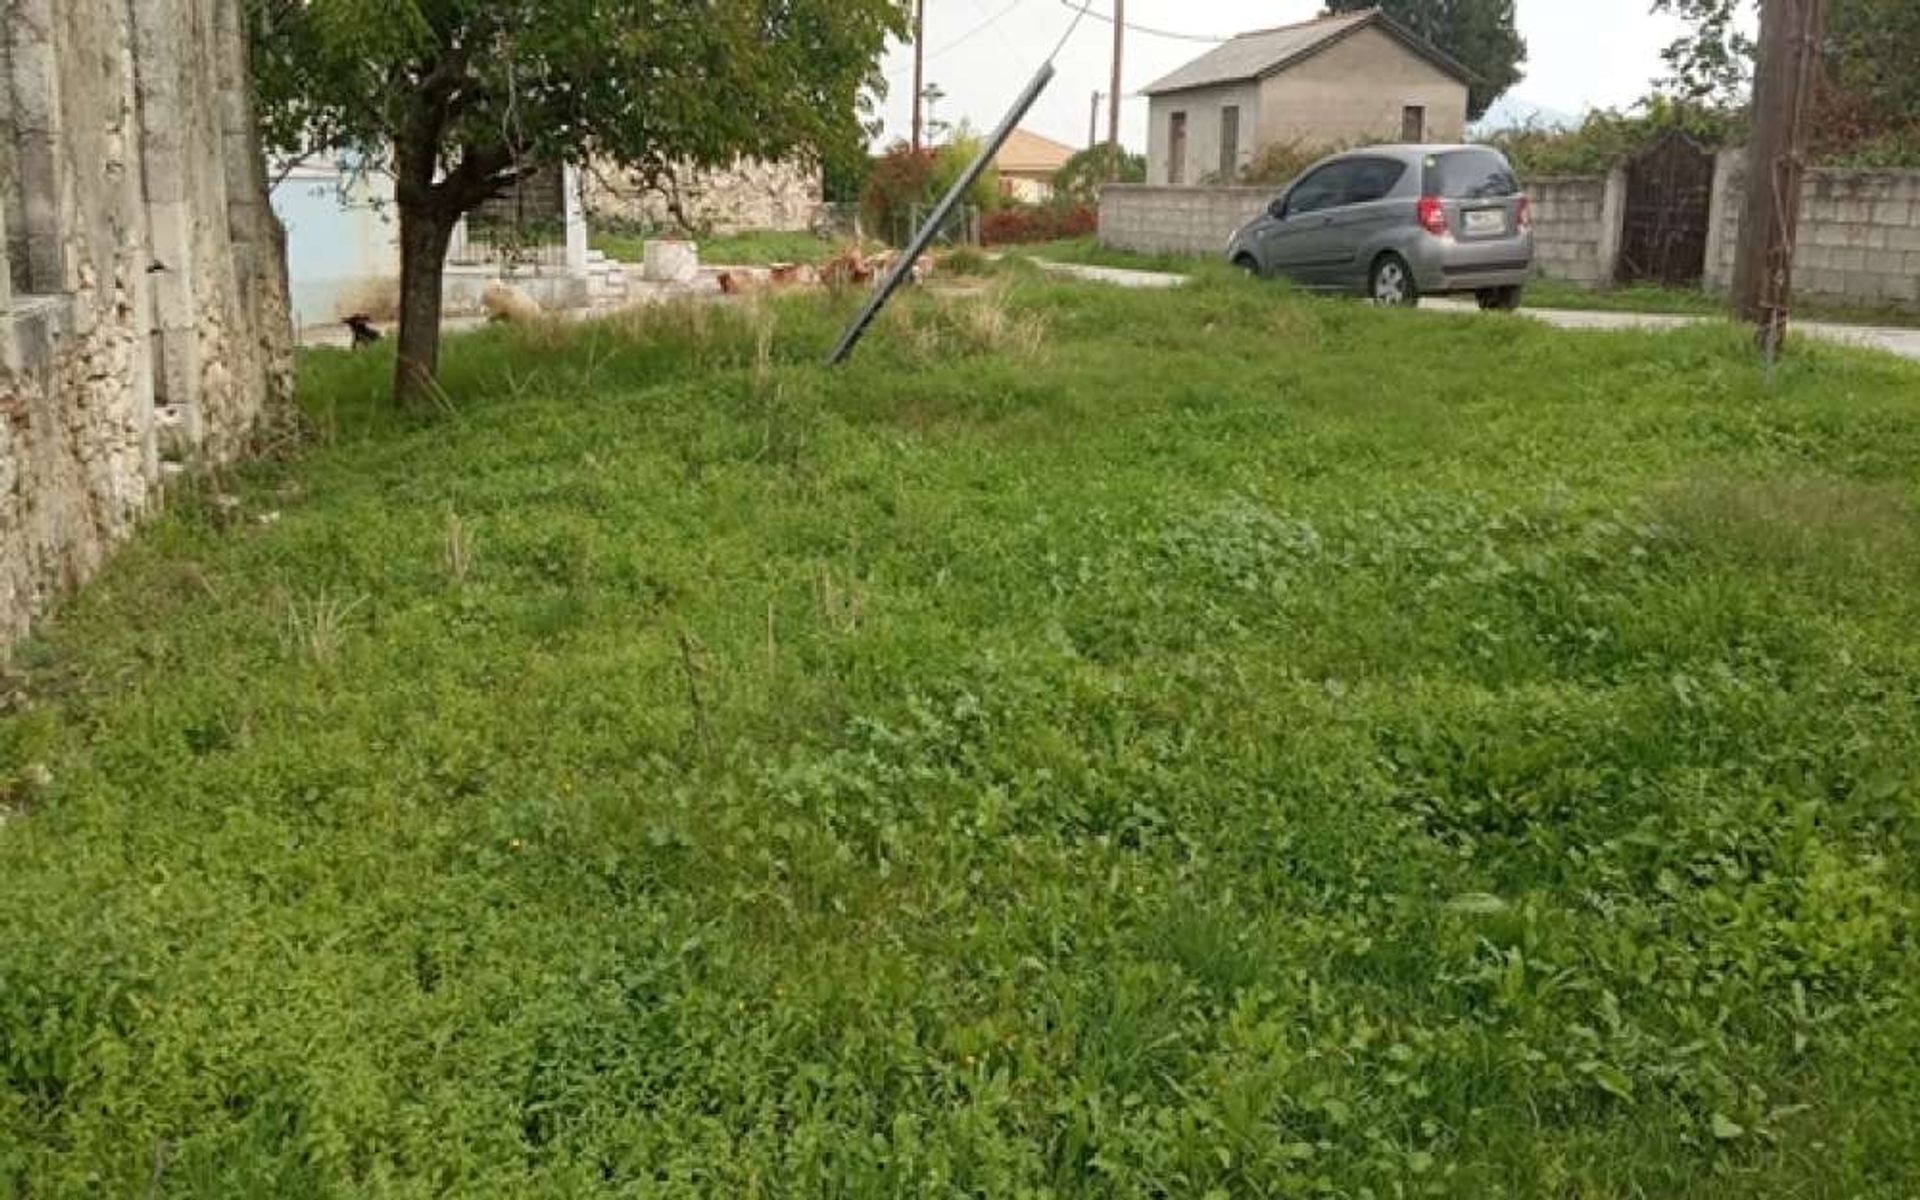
<point>1783,96</point>
<point>1113,98</point>
<point>919,71</point>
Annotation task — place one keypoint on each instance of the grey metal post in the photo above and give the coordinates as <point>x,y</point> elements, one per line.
<point>935,222</point>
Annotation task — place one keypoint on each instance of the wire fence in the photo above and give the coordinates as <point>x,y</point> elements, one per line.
<point>483,243</point>
<point>961,228</point>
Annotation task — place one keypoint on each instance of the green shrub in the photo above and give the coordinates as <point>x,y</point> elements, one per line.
<point>1608,137</point>
<point>1081,179</point>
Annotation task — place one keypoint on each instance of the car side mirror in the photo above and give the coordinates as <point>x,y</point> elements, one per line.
<point>1278,209</point>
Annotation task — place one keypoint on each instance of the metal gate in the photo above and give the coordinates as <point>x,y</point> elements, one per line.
<point>1669,202</point>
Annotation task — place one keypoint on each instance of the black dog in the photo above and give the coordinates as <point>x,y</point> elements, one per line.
<point>364,334</point>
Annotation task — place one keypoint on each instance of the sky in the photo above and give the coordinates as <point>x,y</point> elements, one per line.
<point>1581,54</point>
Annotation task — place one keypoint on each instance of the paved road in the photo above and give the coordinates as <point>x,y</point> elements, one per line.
<point>1904,342</point>
<point>1114,275</point>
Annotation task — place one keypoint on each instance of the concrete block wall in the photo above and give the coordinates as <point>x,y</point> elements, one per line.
<point>1577,221</point>
<point>1576,226</point>
<point>1859,232</point>
<point>1176,220</point>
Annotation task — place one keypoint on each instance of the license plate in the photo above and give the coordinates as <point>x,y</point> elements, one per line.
<point>1486,220</point>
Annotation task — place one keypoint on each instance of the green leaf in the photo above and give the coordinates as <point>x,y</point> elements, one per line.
<point>1479,904</point>
<point>1611,1079</point>
<point>1726,1128</point>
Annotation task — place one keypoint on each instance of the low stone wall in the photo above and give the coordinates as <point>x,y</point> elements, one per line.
<point>1859,232</point>
<point>746,196</point>
<point>1151,219</point>
<point>1576,226</point>
<point>144,324</point>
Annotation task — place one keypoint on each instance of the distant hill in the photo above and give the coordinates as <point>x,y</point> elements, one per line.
<point>1516,112</point>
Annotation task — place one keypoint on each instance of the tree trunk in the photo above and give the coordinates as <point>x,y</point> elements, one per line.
<point>425,232</point>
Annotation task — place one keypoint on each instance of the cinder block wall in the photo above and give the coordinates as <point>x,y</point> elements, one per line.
<point>1576,221</point>
<point>1176,220</point>
<point>1576,224</point>
<point>1859,232</point>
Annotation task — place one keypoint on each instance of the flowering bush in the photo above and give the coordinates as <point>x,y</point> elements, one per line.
<point>1039,223</point>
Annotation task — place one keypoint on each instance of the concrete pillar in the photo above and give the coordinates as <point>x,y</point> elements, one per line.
<point>157,32</point>
<point>1723,207</point>
<point>134,252</point>
<point>38,229</point>
<point>1613,224</point>
<point>576,215</point>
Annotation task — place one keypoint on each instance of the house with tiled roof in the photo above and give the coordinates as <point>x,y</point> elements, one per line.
<point>1027,165</point>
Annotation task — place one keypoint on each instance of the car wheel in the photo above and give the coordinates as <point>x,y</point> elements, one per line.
<point>1391,284</point>
<point>1249,264</point>
<point>1502,299</point>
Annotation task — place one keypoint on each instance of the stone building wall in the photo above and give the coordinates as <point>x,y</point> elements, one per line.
<point>143,313</point>
<point>748,195</point>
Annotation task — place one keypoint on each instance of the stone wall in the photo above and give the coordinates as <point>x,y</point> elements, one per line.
<point>1576,226</point>
<point>1859,232</point>
<point>748,195</point>
<point>1176,220</point>
<point>143,318</point>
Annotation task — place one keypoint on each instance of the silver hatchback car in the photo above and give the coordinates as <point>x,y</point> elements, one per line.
<point>1396,223</point>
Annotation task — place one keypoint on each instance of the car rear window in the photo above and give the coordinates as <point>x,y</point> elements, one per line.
<point>1470,175</point>
<point>1374,179</point>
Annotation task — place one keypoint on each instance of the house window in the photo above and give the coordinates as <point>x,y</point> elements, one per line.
<point>1229,142</point>
<point>1177,149</point>
<point>1413,123</point>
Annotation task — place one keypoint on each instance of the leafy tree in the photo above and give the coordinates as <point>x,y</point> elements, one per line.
<point>900,179</point>
<point>952,159</point>
<point>904,179</point>
<point>1482,34</point>
<point>461,98</point>
<point>1873,53</point>
<point>1713,61</point>
<point>1870,92</point>
<point>1082,176</point>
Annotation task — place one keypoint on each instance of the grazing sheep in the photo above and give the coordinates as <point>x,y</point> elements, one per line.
<point>503,302</point>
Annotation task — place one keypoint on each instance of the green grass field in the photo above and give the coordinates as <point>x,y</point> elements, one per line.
<point>1650,298</point>
<point>1196,744</point>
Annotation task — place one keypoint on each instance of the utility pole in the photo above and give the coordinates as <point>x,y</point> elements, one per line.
<point>919,70</point>
<point>1783,96</point>
<point>1093,122</point>
<point>1113,97</point>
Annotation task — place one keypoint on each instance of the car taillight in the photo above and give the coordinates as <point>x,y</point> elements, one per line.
<point>1524,214</point>
<point>1432,215</point>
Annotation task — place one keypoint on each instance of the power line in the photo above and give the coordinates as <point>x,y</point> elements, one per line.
<point>964,38</point>
<point>1151,32</point>
<point>993,22</point>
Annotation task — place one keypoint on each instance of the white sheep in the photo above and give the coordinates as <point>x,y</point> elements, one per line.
<point>504,302</point>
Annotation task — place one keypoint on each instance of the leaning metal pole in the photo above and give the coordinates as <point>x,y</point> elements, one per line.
<point>938,219</point>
